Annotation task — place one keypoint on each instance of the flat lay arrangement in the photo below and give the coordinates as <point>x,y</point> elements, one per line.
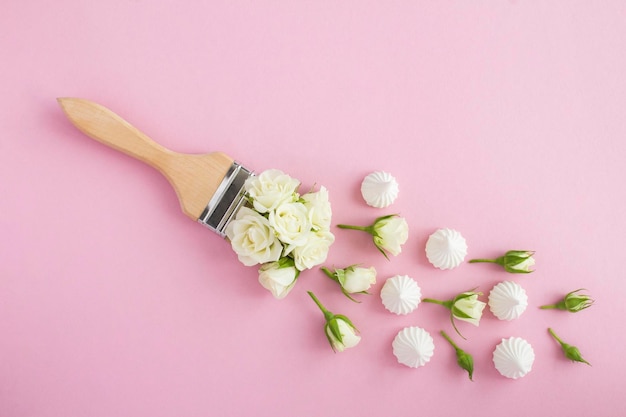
<point>269,223</point>
<point>388,208</point>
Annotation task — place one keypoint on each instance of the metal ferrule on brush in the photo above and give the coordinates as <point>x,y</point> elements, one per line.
<point>227,200</point>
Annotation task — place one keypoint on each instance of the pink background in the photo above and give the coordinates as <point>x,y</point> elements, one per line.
<point>501,119</point>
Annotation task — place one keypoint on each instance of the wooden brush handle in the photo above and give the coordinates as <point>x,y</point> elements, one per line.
<point>195,178</point>
<point>103,125</point>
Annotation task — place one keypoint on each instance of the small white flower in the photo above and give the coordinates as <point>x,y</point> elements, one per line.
<point>353,279</point>
<point>318,205</point>
<point>314,251</point>
<point>341,334</point>
<point>270,189</point>
<point>468,308</point>
<point>358,279</point>
<point>340,331</point>
<point>389,233</point>
<point>278,277</point>
<point>253,239</point>
<point>291,224</point>
<point>465,306</point>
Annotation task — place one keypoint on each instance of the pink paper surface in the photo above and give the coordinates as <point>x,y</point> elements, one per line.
<point>503,120</point>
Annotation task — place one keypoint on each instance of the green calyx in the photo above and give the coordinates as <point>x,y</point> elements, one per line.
<point>288,262</point>
<point>512,260</point>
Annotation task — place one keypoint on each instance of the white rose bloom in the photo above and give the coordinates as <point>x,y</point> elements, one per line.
<point>390,233</point>
<point>468,308</point>
<point>314,251</point>
<point>252,238</point>
<point>318,205</point>
<point>291,224</point>
<point>270,189</point>
<point>278,279</point>
<point>349,337</point>
<point>358,279</point>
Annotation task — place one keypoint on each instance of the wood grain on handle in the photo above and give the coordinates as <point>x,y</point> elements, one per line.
<point>195,178</point>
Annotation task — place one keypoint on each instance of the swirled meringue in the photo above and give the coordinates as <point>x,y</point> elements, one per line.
<point>401,294</point>
<point>507,300</point>
<point>513,357</point>
<point>446,249</point>
<point>379,189</point>
<point>413,347</point>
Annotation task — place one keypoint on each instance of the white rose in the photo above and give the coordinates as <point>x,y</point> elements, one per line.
<point>390,233</point>
<point>358,279</point>
<point>314,251</point>
<point>468,308</point>
<point>291,224</point>
<point>318,205</point>
<point>270,189</point>
<point>252,238</point>
<point>278,277</point>
<point>348,336</point>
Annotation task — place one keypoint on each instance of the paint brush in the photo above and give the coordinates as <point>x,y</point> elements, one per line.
<point>209,186</point>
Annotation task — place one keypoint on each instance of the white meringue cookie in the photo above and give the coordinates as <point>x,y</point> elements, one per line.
<point>513,357</point>
<point>507,300</point>
<point>379,189</point>
<point>413,347</point>
<point>446,249</point>
<point>401,294</point>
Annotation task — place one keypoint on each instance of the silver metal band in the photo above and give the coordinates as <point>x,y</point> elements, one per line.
<point>227,200</point>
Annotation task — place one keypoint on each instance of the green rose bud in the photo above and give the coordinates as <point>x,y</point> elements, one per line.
<point>514,261</point>
<point>572,302</point>
<point>339,330</point>
<point>571,352</point>
<point>388,232</point>
<point>465,306</point>
<point>463,358</point>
